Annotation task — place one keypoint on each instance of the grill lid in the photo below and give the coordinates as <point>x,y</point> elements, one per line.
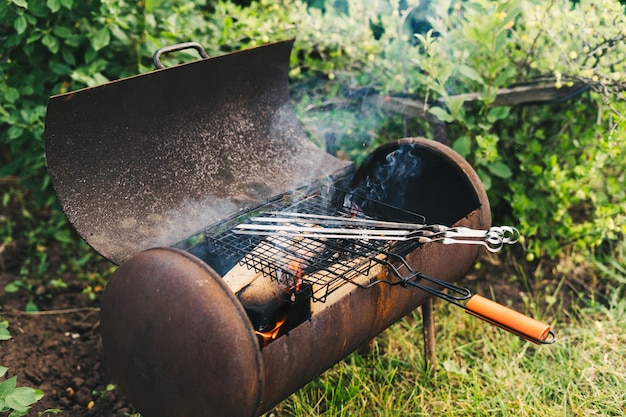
<point>149,160</point>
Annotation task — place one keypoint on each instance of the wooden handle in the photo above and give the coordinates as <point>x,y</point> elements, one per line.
<point>508,319</point>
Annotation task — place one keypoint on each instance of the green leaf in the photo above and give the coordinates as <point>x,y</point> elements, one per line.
<point>21,398</point>
<point>12,287</point>
<point>119,34</point>
<point>15,132</point>
<point>3,370</point>
<point>31,307</point>
<point>462,146</point>
<point>38,394</point>
<point>60,68</point>
<point>75,40</point>
<point>19,413</point>
<point>51,42</point>
<point>32,38</point>
<point>68,56</point>
<point>7,386</point>
<point>62,31</point>
<point>67,4</point>
<point>4,333</point>
<point>471,74</point>
<point>53,5</point>
<point>101,39</point>
<point>505,76</point>
<point>39,9</point>
<point>455,105</point>
<point>485,178</point>
<point>63,236</point>
<point>499,169</point>
<point>11,94</point>
<point>20,24</point>
<point>20,3</point>
<point>498,113</point>
<point>441,114</point>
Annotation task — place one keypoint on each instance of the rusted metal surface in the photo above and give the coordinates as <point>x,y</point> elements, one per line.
<point>313,347</point>
<point>177,341</point>
<point>149,160</point>
<point>426,178</point>
<point>428,330</point>
<point>292,361</point>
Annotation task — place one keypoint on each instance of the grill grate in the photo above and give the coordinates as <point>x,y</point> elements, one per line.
<point>326,264</point>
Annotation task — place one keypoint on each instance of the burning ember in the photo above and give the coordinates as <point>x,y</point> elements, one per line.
<point>290,285</point>
<point>276,306</point>
<point>270,335</point>
<point>296,272</point>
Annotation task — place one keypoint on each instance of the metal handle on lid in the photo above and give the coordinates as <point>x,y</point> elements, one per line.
<point>178,47</point>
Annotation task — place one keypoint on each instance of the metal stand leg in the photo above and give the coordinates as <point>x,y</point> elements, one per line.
<point>367,347</point>
<point>430,359</point>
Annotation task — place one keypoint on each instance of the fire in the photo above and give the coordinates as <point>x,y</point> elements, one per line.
<point>295,267</point>
<point>271,334</point>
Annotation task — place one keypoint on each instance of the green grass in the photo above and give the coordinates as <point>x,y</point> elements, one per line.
<point>481,371</point>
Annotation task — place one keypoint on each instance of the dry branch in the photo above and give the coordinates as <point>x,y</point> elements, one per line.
<point>539,92</point>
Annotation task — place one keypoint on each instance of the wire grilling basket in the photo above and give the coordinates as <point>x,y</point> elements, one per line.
<point>325,263</point>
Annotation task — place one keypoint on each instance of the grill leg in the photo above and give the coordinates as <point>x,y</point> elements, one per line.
<point>428,321</point>
<point>367,347</point>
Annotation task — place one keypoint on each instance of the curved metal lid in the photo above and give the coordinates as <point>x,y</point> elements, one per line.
<point>149,160</point>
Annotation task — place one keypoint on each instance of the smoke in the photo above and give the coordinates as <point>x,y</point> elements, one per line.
<point>182,222</point>
<point>387,178</point>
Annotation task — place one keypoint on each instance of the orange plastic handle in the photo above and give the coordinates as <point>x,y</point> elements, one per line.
<point>508,319</point>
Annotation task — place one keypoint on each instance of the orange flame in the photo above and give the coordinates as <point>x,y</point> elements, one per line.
<point>295,269</point>
<point>271,334</point>
<point>297,272</point>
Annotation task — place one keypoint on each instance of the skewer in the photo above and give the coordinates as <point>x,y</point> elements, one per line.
<point>509,234</point>
<point>328,219</point>
<point>315,227</point>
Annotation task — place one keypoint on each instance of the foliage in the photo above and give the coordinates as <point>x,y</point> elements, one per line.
<point>33,238</point>
<point>17,400</point>
<point>551,170</point>
<point>556,166</point>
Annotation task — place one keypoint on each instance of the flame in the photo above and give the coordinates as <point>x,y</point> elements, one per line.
<point>295,267</point>
<point>292,285</point>
<point>271,334</point>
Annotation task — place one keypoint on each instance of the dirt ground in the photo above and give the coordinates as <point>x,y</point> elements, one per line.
<point>59,349</point>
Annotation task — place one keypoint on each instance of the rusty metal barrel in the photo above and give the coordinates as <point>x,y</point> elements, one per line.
<point>187,146</point>
<point>179,343</point>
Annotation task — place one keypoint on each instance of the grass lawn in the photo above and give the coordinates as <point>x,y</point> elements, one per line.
<point>481,370</point>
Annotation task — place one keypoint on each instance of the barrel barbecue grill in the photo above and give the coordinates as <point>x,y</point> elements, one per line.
<point>251,260</point>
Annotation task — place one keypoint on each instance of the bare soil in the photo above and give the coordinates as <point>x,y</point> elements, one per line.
<point>59,351</point>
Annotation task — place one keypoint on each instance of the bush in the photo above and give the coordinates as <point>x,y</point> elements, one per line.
<point>553,170</point>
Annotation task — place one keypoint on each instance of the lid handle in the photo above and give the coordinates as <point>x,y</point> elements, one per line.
<point>178,47</point>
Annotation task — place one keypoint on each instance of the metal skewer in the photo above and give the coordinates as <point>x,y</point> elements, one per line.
<point>313,226</point>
